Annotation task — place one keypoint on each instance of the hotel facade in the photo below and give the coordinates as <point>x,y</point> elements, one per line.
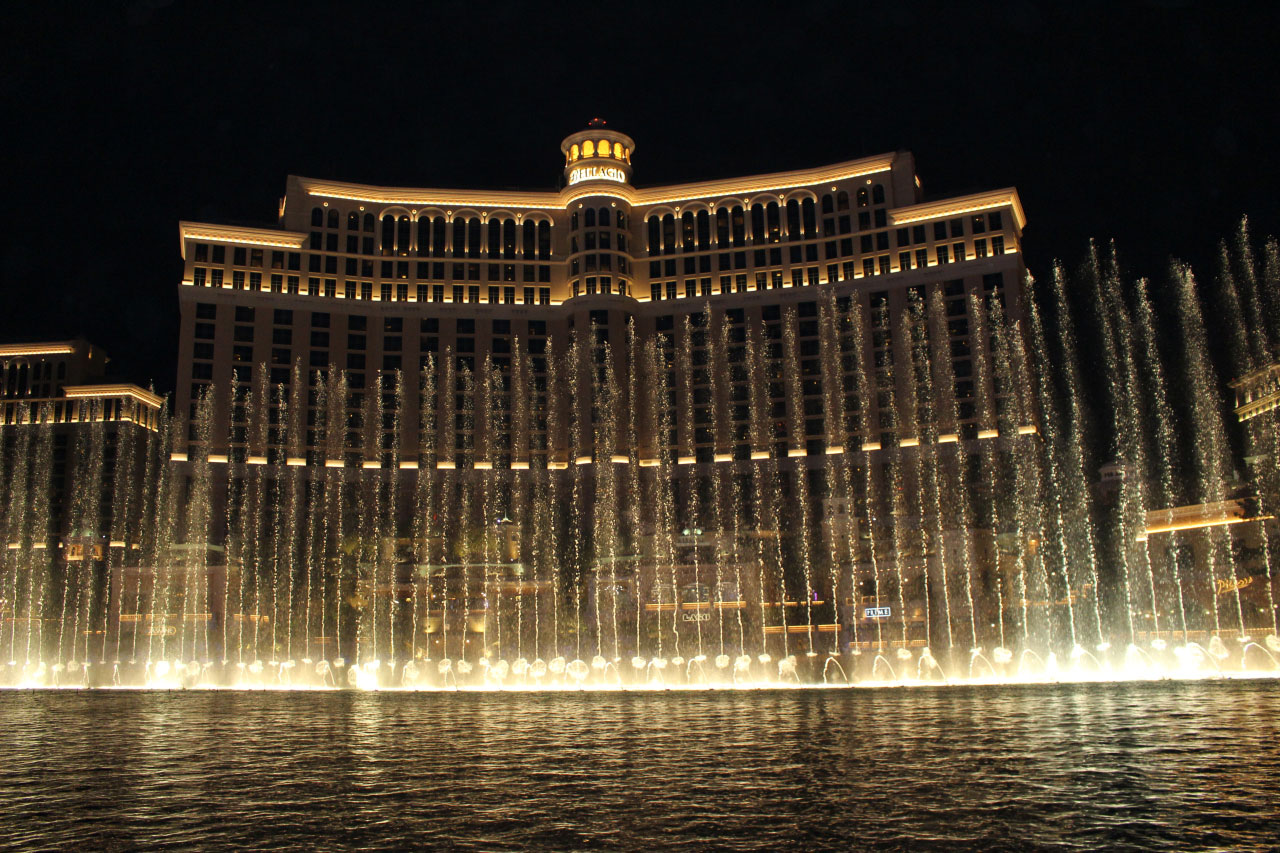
<point>373,280</point>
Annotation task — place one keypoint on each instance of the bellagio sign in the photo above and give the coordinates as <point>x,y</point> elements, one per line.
<point>597,173</point>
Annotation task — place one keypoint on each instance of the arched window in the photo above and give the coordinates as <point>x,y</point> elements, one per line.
<point>573,221</point>
<point>424,235</point>
<point>842,200</point>
<point>573,152</point>
<point>704,230</point>
<point>877,194</point>
<point>622,220</point>
<point>686,230</point>
<point>439,235</point>
<point>530,235</point>
<point>402,235</point>
<point>775,228</point>
<point>617,150</point>
<point>668,234</point>
<point>388,234</point>
<point>509,238</point>
<point>368,222</point>
<point>459,238</point>
<point>589,217</point>
<point>473,238</point>
<point>862,196</point>
<point>828,204</point>
<point>588,149</point>
<point>655,235</point>
<point>317,217</point>
<point>604,217</point>
<point>722,227</point>
<point>353,221</point>
<point>602,147</point>
<point>810,216</point>
<point>793,219</point>
<point>739,225</point>
<point>544,241</point>
<point>333,217</point>
<point>495,238</point>
<point>757,223</point>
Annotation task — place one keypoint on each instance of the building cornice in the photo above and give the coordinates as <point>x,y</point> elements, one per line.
<point>238,234</point>
<point>957,205</point>
<point>743,186</point>
<point>42,348</point>
<point>83,392</point>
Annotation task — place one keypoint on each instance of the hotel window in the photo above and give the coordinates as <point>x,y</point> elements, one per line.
<point>957,250</point>
<point>997,245</point>
<point>797,278</point>
<point>277,283</point>
<point>862,196</point>
<point>671,290</point>
<point>491,295</point>
<point>833,273</point>
<point>980,248</point>
<point>349,290</point>
<point>291,284</point>
<point>366,290</point>
<point>202,253</point>
<point>544,296</point>
<point>868,266</point>
<point>943,255</point>
<point>877,194</point>
<point>904,260</point>
<point>995,220</point>
<point>979,224</point>
<point>957,228</point>
<point>198,276</point>
<point>777,278</point>
<point>437,293</point>
<point>813,275</point>
<point>922,258</point>
<point>762,281</point>
<point>330,287</point>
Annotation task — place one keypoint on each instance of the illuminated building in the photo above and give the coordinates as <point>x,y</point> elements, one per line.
<point>377,279</point>
<point>62,424</point>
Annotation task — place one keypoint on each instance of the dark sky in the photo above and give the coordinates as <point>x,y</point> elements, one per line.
<point>1154,124</point>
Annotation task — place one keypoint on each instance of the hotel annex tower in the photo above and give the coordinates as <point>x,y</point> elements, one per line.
<point>379,281</point>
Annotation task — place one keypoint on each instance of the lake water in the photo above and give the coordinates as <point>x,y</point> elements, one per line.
<point>1088,767</point>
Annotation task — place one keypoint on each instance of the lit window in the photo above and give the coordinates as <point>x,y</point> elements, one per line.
<point>588,149</point>
<point>573,152</point>
<point>617,150</point>
<point>603,147</point>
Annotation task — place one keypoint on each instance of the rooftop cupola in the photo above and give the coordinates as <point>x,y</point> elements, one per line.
<point>597,154</point>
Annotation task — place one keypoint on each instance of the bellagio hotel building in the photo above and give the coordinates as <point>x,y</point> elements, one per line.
<point>375,279</point>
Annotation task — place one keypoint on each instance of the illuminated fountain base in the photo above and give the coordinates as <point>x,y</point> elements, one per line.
<point>1237,658</point>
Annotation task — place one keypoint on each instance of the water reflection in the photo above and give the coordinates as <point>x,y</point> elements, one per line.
<point>1076,766</point>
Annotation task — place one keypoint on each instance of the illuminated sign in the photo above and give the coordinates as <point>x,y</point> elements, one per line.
<point>877,612</point>
<point>597,173</point>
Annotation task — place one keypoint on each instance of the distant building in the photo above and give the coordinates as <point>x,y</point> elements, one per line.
<point>62,423</point>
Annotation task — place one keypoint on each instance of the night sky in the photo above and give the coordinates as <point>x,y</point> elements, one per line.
<point>1154,124</point>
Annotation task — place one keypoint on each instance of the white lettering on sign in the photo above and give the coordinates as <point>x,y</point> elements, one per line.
<point>600,173</point>
<point>877,612</point>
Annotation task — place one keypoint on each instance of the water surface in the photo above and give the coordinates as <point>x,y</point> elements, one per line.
<point>1114,766</point>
